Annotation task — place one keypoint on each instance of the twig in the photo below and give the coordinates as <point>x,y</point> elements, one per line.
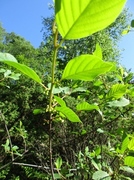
<point>11,146</point>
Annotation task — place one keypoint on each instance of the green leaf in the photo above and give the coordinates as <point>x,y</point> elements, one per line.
<point>7,57</point>
<point>11,61</point>
<point>86,107</point>
<point>122,102</point>
<point>7,73</point>
<point>117,91</point>
<point>124,145</point>
<point>131,145</point>
<point>98,175</point>
<point>15,76</point>
<point>129,161</point>
<point>131,91</point>
<point>98,51</point>
<point>60,101</point>
<point>25,70</point>
<point>86,68</point>
<point>127,169</point>
<point>132,23</point>
<point>77,18</point>
<point>69,113</point>
<point>58,162</point>
<point>37,111</point>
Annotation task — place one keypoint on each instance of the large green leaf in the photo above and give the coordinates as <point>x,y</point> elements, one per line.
<point>11,61</point>
<point>86,68</point>
<point>84,106</point>
<point>117,91</point>
<point>69,113</point>
<point>81,18</point>
<point>129,161</point>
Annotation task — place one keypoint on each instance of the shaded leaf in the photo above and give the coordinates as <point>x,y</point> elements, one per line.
<point>37,111</point>
<point>98,175</point>
<point>132,23</point>
<point>119,103</point>
<point>77,19</point>
<point>86,68</point>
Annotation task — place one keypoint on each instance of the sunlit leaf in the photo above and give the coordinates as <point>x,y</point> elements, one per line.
<point>131,144</point>
<point>98,51</point>
<point>11,61</point>
<point>77,18</point>
<point>69,113</point>
<point>86,107</point>
<point>86,68</point>
<point>117,91</point>
<point>129,161</point>
<point>119,103</point>
<point>25,70</point>
<point>60,101</point>
<point>58,162</point>
<point>124,145</point>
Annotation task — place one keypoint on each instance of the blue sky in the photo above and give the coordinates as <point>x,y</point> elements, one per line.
<point>24,17</point>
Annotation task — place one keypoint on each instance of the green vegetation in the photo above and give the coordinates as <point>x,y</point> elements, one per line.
<point>67,107</point>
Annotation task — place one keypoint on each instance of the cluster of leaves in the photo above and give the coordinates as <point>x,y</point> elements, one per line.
<point>95,95</point>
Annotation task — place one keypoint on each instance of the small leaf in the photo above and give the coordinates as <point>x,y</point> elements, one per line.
<point>69,113</point>
<point>37,111</point>
<point>117,91</point>
<point>15,76</point>
<point>86,68</point>
<point>132,23</point>
<point>58,162</point>
<point>87,107</point>
<point>60,101</point>
<point>129,161</point>
<point>131,144</point>
<point>99,175</point>
<point>124,145</point>
<point>98,51</point>
<point>7,73</point>
<point>122,102</point>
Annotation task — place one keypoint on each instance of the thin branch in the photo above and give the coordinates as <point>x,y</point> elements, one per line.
<point>11,146</point>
